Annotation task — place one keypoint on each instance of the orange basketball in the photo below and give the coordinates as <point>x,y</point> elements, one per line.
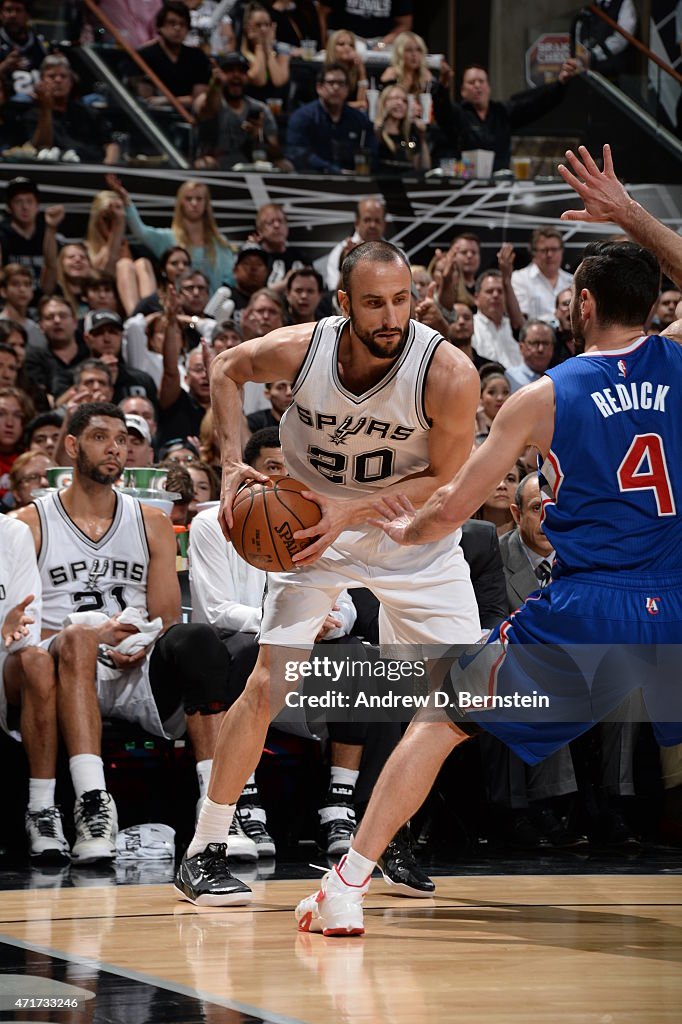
<point>265,518</point>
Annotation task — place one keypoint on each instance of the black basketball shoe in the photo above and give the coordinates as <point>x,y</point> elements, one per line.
<point>401,871</point>
<point>206,880</point>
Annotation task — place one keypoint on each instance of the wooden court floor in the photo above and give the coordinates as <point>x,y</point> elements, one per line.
<point>603,949</point>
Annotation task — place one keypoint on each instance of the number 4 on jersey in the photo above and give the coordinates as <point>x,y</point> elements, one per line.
<point>644,468</point>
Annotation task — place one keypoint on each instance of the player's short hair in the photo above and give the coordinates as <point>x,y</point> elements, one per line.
<point>371,252</point>
<point>624,278</point>
<point>85,413</point>
<point>268,437</point>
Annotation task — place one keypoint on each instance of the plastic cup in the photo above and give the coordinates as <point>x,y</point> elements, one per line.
<point>361,159</point>
<point>372,100</point>
<point>308,49</point>
<point>426,102</point>
<point>145,478</point>
<point>521,167</point>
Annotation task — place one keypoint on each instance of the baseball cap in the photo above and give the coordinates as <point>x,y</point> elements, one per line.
<point>98,318</point>
<point>18,185</point>
<point>139,425</point>
<point>233,60</point>
<point>252,250</point>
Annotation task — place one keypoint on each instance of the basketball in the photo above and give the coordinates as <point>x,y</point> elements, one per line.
<point>265,518</point>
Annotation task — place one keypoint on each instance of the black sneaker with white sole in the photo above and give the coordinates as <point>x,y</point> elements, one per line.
<point>400,869</point>
<point>206,880</point>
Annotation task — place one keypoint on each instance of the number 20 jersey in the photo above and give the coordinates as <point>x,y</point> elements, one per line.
<point>79,574</point>
<point>615,465</point>
<point>335,441</point>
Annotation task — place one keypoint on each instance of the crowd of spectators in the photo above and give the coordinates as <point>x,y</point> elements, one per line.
<point>275,84</point>
<point>133,315</point>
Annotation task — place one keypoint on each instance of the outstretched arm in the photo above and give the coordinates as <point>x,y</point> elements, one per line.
<point>526,418</point>
<point>607,202</point>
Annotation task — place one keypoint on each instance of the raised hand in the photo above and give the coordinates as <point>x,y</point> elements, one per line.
<point>602,193</point>
<point>505,259</point>
<point>54,215</point>
<point>115,184</point>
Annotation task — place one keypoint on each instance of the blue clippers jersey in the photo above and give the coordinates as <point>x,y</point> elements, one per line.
<point>615,465</point>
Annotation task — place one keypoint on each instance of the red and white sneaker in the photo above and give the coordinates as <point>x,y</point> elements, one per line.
<point>336,909</point>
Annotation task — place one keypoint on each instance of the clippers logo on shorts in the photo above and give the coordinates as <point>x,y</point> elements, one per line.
<point>652,604</point>
<point>622,368</point>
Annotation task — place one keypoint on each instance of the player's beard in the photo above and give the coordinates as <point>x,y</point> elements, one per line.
<point>89,470</point>
<point>374,347</point>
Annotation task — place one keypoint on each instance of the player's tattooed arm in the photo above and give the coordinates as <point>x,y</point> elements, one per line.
<point>607,201</point>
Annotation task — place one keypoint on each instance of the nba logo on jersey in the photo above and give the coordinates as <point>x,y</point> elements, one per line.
<point>622,368</point>
<point>652,605</point>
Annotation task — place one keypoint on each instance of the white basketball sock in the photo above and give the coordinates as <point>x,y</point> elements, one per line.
<point>40,794</point>
<point>212,827</point>
<point>204,776</point>
<point>355,869</point>
<point>343,776</point>
<point>87,772</point>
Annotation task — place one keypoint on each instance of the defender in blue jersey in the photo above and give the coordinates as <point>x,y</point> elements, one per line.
<point>608,425</point>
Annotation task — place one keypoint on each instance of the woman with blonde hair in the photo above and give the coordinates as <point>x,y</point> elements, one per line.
<point>73,269</point>
<point>408,66</point>
<point>268,74</point>
<point>193,227</point>
<point>402,142</point>
<point>342,49</point>
<point>109,251</point>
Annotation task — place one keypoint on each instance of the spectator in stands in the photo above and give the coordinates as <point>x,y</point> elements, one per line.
<point>9,367</point>
<point>367,20</point>
<point>73,125</point>
<point>137,405</point>
<point>16,410</point>
<point>206,485</point>
<point>92,382</point>
<point>421,279</point>
<point>42,433</point>
<point>264,313</point>
<point>140,450</point>
<point>663,313</point>
<point>251,272</point>
<point>17,292</point>
<point>495,391</point>
<point>28,474</point>
<point>342,49</point>
<point>279,396</point>
<point>304,294</point>
<point>599,46</point>
<point>182,411</point>
<point>325,135</point>
<point>184,70</point>
<point>225,335</point>
<point>461,332</point>
<point>193,227</point>
<point>408,66</point>
<point>449,283</point>
<point>13,337</point>
<point>234,127</point>
<point>17,137</point>
<point>496,509</point>
<point>52,368</point>
<point>478,122</point>
<point>172,262</point>
<point>109,251</point>
<point>370,226</point>
<point>268,74</point>
<point>73,270</point>
<point>100,292</point>
<point>537,285</point>
<point>493,326</point>
<point>402,142</point>
<point>103,335</point>
<point>561,321</point>
<point>467,251</point>
<point>272,234</point>
<point>22,51</point>
<point>537,343</point>
<point>295,22</point>
<point>29,237</point>
<point>180,451</point>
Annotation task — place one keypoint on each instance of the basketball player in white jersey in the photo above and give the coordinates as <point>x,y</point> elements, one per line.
<point>380,405</point>
<point>101,551</point>
<point>28,710</point>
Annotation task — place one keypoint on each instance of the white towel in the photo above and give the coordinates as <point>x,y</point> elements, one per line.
<point>146,842</point>
<point>147,631</point>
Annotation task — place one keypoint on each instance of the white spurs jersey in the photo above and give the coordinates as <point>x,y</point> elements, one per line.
<point>82,575</point>
<point>335,441</point>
